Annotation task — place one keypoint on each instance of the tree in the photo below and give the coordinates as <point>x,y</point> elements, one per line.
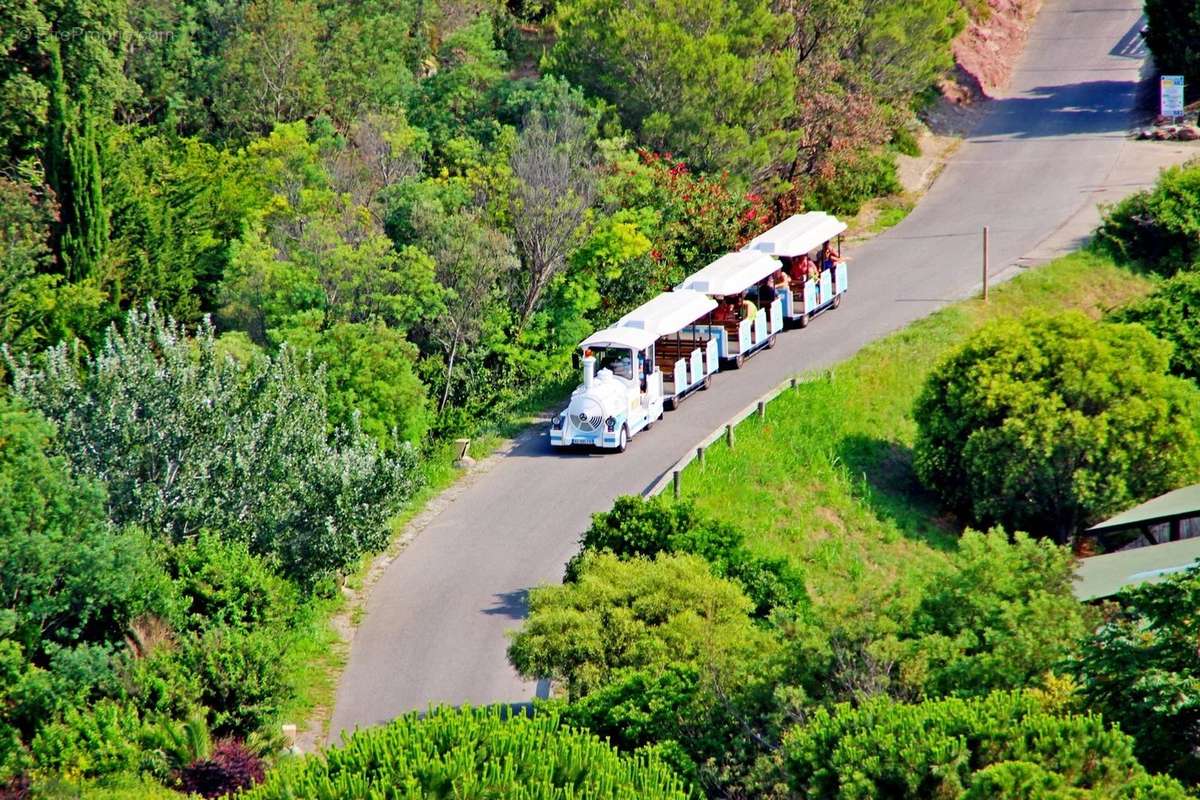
<point>708,80</point>
<point>638,527</point>
<point>27,285</point>
<point>490,752</point>
<point>187,440</point>
<point>955,748</point>
<point>473,260</point>
<point>1139,669</point>
<point>1172,313</point>
<point>271,70</point>
<point>1172,30</point>
<point>553,168</point>
<point>998,615</point>
<point>1049,423</point>
<point>635,614</point>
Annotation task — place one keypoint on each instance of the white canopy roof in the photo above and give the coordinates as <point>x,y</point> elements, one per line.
<point>668,312</point>
<point>634,338</point>
<point>731,273</point>
<point>798,234</point>
<point>660,316</point>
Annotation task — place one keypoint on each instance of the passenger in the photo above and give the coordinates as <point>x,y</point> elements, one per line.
<point>780,281</point>
<point>803,269</point>
<point>748,309</point>
<point>766,292</point>
<point>723,312</point>
<point>828,258</point>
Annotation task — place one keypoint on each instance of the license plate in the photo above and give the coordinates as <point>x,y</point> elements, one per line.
<point>581,441</point>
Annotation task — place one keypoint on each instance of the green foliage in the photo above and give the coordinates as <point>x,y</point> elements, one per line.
<point>855,179</point>
<point>188,440</point>
<point>67,575</point>
<point>946,748</point>
<point>1139,669</point>
<point>102,740</point>
<point>1172,313</point>
<point>637,527</point>
<point>1172,30</point>
<point>1049,423</point>
<point>998,615</point>
<point>1158,228</point>
<point>723,79</point>
<point>635,613</point>
<point>222,583</point>
<point>240,674</point>
<point>473,753</point>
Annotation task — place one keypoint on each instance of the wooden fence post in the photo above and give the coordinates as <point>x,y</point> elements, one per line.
<point>729,436</point>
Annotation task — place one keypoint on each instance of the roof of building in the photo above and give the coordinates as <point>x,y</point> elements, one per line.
<point>732,273</point>
<point>798,234</point>
<point>668,312</point>
<point>1179,504</point>
<point>1102,576</point>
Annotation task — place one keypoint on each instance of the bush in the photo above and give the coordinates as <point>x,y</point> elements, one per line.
<point>1172,313</point>
<point>240,675</point>
<point>230,768</point>
<point>637,527</point>
<point>635,614</point>
<point>1158,228</point>
<point>103,740</point>
<point>1049,423</point>
<point>946,748</point>
<point>187,440</point>
<point>854,179</point>
<point>223,583</point>
<point>1140,670</point>
<point>473,753</point>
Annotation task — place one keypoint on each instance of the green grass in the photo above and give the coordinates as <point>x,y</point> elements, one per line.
<point>827,478</point>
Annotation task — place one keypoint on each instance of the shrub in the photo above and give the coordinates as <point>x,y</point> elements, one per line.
<point>473,753</point>
<point>230,768</point>
<point>1049,423</point>
<point>854,179</point>
<point>945,748</point>
<point>635,614</point>
<point>188,440</point>
<point>223,583</point>
<point>1158,228</point>
<point>637,527</point>
<point>1140,669</point>
<point>1172,313</point>
<point>105,739</point>
<point>240,675</point>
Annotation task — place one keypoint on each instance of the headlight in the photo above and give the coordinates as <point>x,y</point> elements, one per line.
<point>611,424</point>
<point>557,422</point>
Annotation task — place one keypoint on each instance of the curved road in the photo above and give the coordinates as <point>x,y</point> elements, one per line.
<point>1033,169</point>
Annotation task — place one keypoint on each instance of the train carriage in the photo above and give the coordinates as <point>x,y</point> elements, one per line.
<point>732,276</point>
<point>795,237</point>
<point>635,369</point>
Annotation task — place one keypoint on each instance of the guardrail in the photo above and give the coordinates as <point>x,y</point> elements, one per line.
<point>673,476</point>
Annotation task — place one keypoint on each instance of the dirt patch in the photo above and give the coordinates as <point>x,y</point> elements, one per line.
<point>984,56</point>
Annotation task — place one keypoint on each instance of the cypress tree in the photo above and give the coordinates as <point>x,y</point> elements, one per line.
<point>72,163</point>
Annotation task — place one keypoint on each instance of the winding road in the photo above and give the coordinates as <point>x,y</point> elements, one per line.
<point>1034,168</point>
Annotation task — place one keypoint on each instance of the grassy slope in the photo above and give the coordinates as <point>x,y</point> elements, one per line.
<point>827,478</point>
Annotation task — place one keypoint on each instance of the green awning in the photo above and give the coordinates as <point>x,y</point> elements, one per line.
<point>1101,576</point>
<point>1179,504</point>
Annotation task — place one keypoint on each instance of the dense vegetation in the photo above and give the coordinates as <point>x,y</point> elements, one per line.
<point>1172,30</point>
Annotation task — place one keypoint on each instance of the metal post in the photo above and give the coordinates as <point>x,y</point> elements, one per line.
<point>762,410</point>
<point>675,483</point>
<point>729,436</point>
<point>700,455</point>
<point>985,263</point>
<point>795,381</point>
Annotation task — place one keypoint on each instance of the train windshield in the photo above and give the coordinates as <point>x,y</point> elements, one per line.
<point>617,359</point>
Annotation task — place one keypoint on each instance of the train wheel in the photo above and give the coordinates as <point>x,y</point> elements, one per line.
<point>623,439</point>
<point>772,340</point>
<point>707,382</point>
<point>670,403</point>
<point>803,320</point>
<point>837,299</point>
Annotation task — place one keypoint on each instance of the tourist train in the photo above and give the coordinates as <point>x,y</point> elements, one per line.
<point>649,360</point>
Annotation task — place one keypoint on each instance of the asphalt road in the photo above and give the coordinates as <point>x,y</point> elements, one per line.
<point>1033,170</point>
